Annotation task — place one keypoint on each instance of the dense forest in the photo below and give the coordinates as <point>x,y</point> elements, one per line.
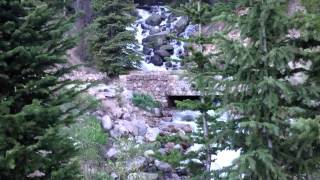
<point>160,90</point>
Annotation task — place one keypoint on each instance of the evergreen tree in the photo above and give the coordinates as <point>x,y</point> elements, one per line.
<point>33,98</point>
<point>273,115</point>
<point>112,44</point>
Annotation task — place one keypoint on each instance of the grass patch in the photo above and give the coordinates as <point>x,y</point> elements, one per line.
<point>145,101</point>
<point>88,137</point>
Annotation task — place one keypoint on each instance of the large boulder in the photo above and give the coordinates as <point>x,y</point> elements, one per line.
<point>156,60</point>
<point>106,122</point>
<point>163,166</point>
<point>154,20</point>
<point>181,24</point>
<point>154,30</point>
<point>143,176</point>
<point>168,47</point>
<point>163,53</point>
<point>156,40</point>
<point>152,134</point>
<point>136,163</point>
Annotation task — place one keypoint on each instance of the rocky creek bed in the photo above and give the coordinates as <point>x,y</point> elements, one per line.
<point>132,129</point>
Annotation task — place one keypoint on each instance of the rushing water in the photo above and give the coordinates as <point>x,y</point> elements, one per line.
<point>167,25</point>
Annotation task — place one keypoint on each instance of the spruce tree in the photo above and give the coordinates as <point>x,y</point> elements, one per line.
<point>269,79</point>
<point>111,43</point>
<point>33,97</point>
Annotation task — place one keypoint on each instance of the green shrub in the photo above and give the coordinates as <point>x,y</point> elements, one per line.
<point>174,157</point>
<point>89,138</point>
<point>313,6</point>
<point>145,101</point>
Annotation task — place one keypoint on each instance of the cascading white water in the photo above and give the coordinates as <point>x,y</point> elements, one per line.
<point>167,25</point>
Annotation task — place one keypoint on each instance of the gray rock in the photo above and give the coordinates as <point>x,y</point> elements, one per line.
<point>106,122</point>
<point>154,20</point>
<point>115,133</point>
<point>143,176</point>
<point>169,48</point>
<point>163,53</point>
<point>156,40</point>
<point>168,64</point>
<point>157,112</point>
<point>146,51</point>
<point>154,31</point>
<point>141,127</point>
<point>136,163</point>
<point>163,166</point>
<point>152,134</point>
<point>112,153</point>
<point>148,153</point>
<point>172,177</point>
<point>156,60</point>
<point>181,24</point>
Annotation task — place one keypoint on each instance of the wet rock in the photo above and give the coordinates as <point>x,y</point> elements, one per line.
<point>169,48</point>
<point>181,24</point>
<point>154,31</point>
<point>156,60</point>
<point>146,51</point>
<point>163,53</point>
<point>156,40</point>
<point>154,20</point>
<point>152,134</point>
<point>168,64</point>
<point>136,163</point>
<point>163,166</point>
<point>143,176</point>
<point>172,18</point>
<point>106,122</point>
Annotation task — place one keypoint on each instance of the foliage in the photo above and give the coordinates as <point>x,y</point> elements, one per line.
<point>112,45</point>
<point>272,118</point>
<point>89,137</point>
<point>128,149</point>
<point>174,157</point>
<point>145,101</point>
<point>313,6</point>
<point>33,46</point>
<point>177,139</point>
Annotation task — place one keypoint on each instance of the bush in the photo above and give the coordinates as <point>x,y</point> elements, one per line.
<point>174,157</point>
<point>89,138</point>
<point>145,101</point>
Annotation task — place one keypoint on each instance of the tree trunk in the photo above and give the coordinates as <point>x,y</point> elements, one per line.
<point>84,8</point>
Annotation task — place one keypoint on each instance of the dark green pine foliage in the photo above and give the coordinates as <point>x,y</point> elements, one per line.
<point>33,46</point>
<point>201,13</point>
<point>112,44</point>
<point>273,117</point>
